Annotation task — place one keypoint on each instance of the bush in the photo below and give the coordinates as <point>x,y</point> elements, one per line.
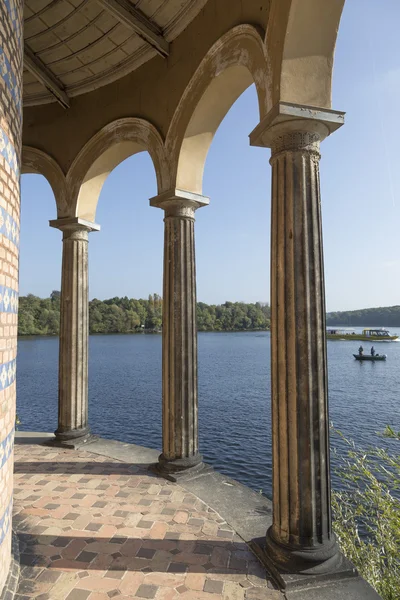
<point>367,515</point>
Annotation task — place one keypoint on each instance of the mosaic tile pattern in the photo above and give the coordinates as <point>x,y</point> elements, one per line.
<point>12,10</point>
<point>11,66</point>
<point>11,70</point>
<point>8,225</point>
<point>6,447</point>
<point>10,80</point>
<point>5,521</point>
<point>6,147</point>
<point>7,373</point>
<point>8,300</point>
<point>93,528</point>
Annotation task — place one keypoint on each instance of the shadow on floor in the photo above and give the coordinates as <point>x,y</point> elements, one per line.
<point>80,468</point>
<point>120,553</point>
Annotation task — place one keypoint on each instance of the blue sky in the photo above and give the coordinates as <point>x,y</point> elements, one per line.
<point>360,195</point>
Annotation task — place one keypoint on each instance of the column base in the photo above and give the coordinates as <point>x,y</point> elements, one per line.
<point>73,438</point>
<point>293,567</point>
<point>307,560</point>
<point>180,468</point>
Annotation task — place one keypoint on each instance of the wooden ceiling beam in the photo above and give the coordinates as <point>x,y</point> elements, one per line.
<point>45,76</point>
<point>134,19</point>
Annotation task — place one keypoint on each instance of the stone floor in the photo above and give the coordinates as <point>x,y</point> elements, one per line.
<point>94,528</point>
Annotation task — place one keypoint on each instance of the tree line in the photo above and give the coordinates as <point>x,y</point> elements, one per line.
<point>41,316</point>
<point>383,316</point>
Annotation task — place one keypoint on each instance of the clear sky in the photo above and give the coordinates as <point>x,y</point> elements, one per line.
<point>359,181</point>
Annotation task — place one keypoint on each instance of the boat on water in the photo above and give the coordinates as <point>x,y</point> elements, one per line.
<point>368,335</point>
<point>370,357</point>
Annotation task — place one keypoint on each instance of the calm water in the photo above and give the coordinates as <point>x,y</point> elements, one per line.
<point>234,395</point>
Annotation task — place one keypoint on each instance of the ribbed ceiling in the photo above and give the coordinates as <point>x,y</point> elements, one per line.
<point>75,46</point>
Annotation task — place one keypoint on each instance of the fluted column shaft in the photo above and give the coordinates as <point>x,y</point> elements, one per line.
<point>300,539</point>
<point>179,354</point>
<point>180,440</point>
<point>74,332</point>
<point>300,424</point>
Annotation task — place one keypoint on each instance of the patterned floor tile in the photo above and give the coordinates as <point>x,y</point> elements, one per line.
<point>94,528</point>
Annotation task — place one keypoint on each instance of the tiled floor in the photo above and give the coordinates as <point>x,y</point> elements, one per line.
<point>94,528</point>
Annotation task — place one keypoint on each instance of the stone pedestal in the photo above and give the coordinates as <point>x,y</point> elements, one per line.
<point>179,378</point>
<point>300,539</point>
<point>74,332</point>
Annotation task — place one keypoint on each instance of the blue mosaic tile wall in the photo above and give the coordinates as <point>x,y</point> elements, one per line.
<point>12,10</point>
<point>8,151</point>
<point>5,522</point>
<point>9,78</point>
<point>11,71</point>
<point>8,300</point>
<point>7,374</point>
<point>11,63</point>
<point>9,227</point>
<point>6,448</point>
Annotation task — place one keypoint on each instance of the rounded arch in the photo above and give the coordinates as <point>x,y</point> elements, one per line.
<point>107,149</point>
<point>301,38</point>
<point>37,161</point>
<point>234,62</point>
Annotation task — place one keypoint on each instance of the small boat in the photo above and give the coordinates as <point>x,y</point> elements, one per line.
<point>370,357</point>
<point>369,335</point>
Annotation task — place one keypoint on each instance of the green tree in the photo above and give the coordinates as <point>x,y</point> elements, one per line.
<point>39,316</point>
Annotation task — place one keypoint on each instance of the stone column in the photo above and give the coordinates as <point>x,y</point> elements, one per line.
<point>74,332</point>
<point>301,538</point>
<point>11,68</point>
<point>179,353</point>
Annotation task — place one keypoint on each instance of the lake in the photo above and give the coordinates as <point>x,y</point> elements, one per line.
<point>234,395</point>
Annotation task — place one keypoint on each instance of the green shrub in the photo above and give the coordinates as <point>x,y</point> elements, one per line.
<point>367,515</point>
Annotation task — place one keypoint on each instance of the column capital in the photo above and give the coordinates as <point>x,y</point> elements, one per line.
<point>74,224</point>
<point>310,123</point>
<point>179,203</point>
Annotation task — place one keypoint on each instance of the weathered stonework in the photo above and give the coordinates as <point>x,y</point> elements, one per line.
<point>10,150</point>
<point>301,537</point>
<point>74,331</point>
<point>301,480</point>
<point>179,353</point>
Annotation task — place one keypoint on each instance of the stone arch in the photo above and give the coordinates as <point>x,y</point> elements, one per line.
<point>234,62</point>
<point>301,38</point>
<point>37,161</point>
<point>107,149</point>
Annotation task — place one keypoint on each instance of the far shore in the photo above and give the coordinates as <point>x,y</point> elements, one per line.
<point>150,332</point>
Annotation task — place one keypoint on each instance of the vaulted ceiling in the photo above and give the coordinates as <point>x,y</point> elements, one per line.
<point>75,46</point>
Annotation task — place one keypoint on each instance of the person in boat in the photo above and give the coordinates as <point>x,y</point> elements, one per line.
<point>360,350</point>
<point>372,351</point>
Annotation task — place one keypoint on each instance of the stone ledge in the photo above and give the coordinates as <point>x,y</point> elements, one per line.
<point>32,437</point>
<point>348,589</point>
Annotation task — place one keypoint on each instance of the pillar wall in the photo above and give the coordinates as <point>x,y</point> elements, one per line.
<point>11,50</point>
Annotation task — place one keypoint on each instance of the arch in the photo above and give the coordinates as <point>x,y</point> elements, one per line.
<point>301,38</point>
<point>107,149</point>
<point>234,62</point>
<point>37,161</point>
